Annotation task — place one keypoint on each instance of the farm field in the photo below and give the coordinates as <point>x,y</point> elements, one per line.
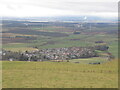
<point>81,40</point>
<point>56,34</point>
<point>77,73</point>
<point>59,75</point>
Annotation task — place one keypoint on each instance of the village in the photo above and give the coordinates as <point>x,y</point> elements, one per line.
<point>55,54</point>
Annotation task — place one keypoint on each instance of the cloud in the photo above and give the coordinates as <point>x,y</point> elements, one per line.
<point>28,8</point>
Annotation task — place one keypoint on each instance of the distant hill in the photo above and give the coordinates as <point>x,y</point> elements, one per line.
<point>65,18</point>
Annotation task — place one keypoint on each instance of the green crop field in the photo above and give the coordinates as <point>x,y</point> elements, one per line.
<point>83,40</point>
<point>59,75</point>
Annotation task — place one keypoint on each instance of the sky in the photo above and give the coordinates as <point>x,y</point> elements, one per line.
<point>41,8</point>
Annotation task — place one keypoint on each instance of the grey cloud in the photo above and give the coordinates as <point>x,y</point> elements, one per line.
<point>65,6</point>
<point>80,6</point>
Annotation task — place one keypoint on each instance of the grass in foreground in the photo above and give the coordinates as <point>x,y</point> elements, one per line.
<point>59,75</point>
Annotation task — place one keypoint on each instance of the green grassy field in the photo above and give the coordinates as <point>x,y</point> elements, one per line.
<point>59,75</point>
<point>90,60</point>
<point>0,75</point>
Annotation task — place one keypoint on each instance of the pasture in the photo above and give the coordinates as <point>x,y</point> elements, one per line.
<point>90,60</point>
<point>59,75</point>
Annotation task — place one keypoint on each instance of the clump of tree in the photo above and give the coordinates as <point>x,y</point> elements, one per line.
<point>14,56</point>
<point>23,57</point>
<point>101,47</point>
<point>76,32</point>
<point>99,41</point>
